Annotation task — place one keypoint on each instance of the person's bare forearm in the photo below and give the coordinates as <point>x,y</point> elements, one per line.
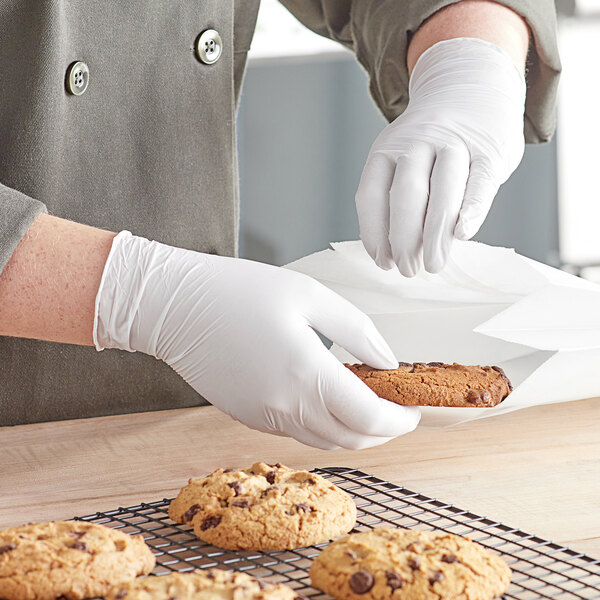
<point>48,288</point>
<point>481,19</point>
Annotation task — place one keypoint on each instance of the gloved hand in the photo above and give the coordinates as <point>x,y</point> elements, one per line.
<point>242,334</point>
<point>432,174</point>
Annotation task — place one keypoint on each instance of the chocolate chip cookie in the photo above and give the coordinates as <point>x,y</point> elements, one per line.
<point>209,584</point>
<point>68,560</point>
<point>265,507</point>
<point>437,384</point>
<point>408,565</point>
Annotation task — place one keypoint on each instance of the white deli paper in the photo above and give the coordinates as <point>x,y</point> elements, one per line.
<point>489,306</point>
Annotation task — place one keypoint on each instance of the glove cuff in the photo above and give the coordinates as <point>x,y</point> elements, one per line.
<point>465,65</point>
<point>143,283</point>
<point>121,297</point>
<point>102,313</point>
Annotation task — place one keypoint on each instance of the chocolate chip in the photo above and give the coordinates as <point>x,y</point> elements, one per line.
<point>419,365</point>
<point>172,598</point>
<point>190,512</point>
<point>270,477</point>
<point>416,547</point>
<point>403,364</point>
<point>210,522</point>
<point>7,548</point>
<point>303,507</point>
<point>394,580</point>
<point>236,486</point>
<point>436,577</point>
<point>472,396</point>
<point>414,562</point>
<point>61,597</point>
<point>229,470</point>
<point>241,503</point>
<point>449,558</point>
<point>121,594</point>
<point>480,397</point>
<point>80,546</point>
<point>352,554</point>
<point>435,364</point>
<point>504,376</point>
<point>276,465</point>
<point>311,481</point>
<point>486,397</point>
<point>273,488</point>
<point>361,582</point>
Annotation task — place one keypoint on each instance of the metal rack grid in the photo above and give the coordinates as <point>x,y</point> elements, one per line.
<point>541,569</point>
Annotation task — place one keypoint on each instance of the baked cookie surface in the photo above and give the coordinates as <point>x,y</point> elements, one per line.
<point>68,559</point>
<point>437,384</point>
<point>408,565</point>
<point>264,507</point>
<point>203,584</point>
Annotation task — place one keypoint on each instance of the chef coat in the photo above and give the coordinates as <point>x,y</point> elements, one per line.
<point>121,115</point>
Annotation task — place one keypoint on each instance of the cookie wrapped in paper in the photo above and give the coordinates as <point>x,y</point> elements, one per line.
<point>489,306</point>
<point>437,384</point>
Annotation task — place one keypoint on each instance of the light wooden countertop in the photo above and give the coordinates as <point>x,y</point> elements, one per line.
<point>536,469</point>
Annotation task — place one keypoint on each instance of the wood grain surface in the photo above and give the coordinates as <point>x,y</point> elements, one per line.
<point>536,469</point>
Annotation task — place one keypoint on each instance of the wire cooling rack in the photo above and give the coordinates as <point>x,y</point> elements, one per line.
<point>541,569</point>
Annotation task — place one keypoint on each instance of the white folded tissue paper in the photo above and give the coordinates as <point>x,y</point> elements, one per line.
<point>489,306</point>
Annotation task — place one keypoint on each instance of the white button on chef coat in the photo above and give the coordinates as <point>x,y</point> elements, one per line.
<point>78,77</point>
<point>209,47</point>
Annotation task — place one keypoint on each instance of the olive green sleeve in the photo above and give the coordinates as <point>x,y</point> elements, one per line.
<point>378,31</point>
<point>17,213</point>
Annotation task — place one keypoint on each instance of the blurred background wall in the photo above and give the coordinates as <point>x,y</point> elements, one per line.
<point>305,125</point>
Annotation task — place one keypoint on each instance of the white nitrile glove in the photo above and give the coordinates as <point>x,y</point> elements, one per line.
<point>242,334</point>
<point>432,174</point>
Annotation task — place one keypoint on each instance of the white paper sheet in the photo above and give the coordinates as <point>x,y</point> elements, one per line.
<point>489,306</point>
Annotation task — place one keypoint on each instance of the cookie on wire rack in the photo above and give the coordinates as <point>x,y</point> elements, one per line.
<point>70,560</point>
<point>264,507</point>
<point>408,565</point>
<point>203,584</point>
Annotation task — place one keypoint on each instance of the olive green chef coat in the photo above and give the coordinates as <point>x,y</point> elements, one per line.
<point>150,147</point>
